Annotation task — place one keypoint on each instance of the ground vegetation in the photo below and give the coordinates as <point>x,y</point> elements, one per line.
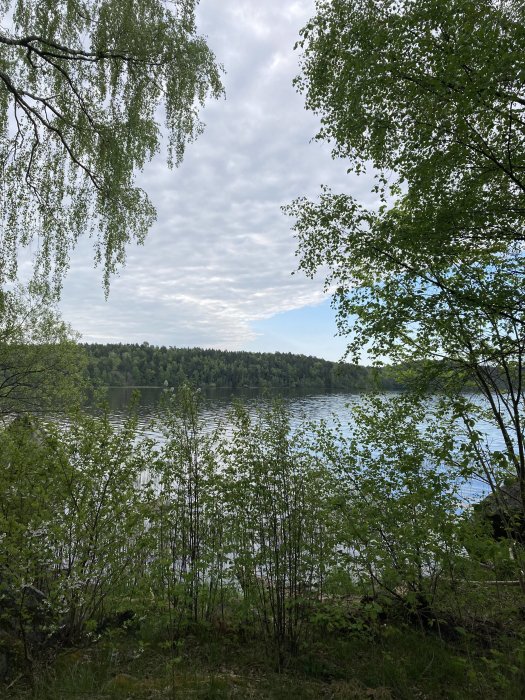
<point>256,561</point>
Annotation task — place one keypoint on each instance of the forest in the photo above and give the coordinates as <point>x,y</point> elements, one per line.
<point>261,558</point>
<point>147,365</point>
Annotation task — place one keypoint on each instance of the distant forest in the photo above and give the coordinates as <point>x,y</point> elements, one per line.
<point>148,365</point>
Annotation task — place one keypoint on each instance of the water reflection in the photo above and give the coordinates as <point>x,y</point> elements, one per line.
<point>303,405</point>
<point>217,403</point>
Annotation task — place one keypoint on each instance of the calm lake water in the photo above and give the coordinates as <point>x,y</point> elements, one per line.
<point>303,405</point>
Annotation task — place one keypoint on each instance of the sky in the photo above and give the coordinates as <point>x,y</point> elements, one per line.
<point>216,268</point>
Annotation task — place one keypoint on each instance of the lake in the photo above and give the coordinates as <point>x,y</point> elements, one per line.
<point>303,405</point>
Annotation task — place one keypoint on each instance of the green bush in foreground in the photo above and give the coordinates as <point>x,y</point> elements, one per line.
<point>261,549</point>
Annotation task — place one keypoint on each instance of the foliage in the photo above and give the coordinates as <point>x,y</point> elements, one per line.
<point>263,535</point>
<point>26,494</point>
<point>81,86</point>
<point>72,517</point>
<point>258,542</point>
<point>281,534</point>
<point>98,528</point>
<point>41,366</point>
<point>431,94</point>
<point>139,365</point>
<point>187,519</point>
<point>397,497</point>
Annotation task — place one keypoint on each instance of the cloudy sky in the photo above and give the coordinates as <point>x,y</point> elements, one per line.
<point>216,269</point>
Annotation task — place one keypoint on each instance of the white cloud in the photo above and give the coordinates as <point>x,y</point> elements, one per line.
<point>221,253</point>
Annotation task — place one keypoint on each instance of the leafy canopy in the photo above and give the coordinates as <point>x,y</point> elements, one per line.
<point>41,365</point>
<point>430,93</point>
<point>83,84</point>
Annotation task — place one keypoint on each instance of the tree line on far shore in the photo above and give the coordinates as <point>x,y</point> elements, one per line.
<point>149,365</point>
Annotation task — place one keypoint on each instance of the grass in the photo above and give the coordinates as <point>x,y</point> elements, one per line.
<point>393,662</point>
